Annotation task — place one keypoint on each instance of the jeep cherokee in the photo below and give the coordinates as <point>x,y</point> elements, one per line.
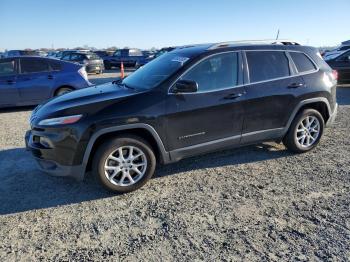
<point>190,101</point>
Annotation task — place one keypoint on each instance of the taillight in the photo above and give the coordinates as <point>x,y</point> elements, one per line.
<point>335,74</point>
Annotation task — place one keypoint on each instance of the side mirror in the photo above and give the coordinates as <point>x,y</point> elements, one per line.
<point>185,86</point>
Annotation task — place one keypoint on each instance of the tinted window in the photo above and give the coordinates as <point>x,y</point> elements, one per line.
<point>7,68</point>
<point>216,72</point>
<point>302,62</point>
<point>55,66</point>
<point>267,65</point>
<point>33,66</point>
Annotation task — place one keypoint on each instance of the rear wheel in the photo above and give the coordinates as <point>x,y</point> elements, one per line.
<point>305,131</point>
<point>124,164</point>
<point>63,90</point>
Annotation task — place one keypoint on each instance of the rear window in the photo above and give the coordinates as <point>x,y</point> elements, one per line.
<point>92,57</point>
<point>302,62</point>
<point>267,65</point>
<point>33,66</point>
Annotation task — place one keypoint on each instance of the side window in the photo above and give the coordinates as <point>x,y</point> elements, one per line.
<point>7,68</point>
<point>74,57</point>
<point>33,66</point>
<point>55,66</point>
<point>267,65</point>
<point>66,57</point>
<point>302,62</point>
<point>117,53</point>
<point>216,72</point>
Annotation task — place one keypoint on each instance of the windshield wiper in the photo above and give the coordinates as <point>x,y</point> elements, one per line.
<point>121,84</point>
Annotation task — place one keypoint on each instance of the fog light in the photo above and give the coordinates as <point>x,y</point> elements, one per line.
<point>45,142</point>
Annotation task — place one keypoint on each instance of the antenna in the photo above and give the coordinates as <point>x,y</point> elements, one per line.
<point>278,34</point>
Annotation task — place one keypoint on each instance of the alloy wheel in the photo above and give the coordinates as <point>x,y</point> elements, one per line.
<point>125,166</point>
<point>308,131</point>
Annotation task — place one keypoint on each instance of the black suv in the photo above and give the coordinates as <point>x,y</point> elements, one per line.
<point>190,101</point>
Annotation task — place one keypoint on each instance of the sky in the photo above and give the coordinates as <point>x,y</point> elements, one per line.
<point>145,24</point>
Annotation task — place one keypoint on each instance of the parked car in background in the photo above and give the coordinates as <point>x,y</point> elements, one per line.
<point>104,53</point>
<point>163,51</point>
<point>2,54</point>
<point>12,53</point>
<point>41,53</point>
<point>187,102</point>
<point>345,46</point>
<point>52,54</point>
<point>341,63</point>
<point>92,62</point>
<point>130,58</point>
<point>29,80</point>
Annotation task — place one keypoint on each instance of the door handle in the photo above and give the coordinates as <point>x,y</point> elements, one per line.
<point>295,85</point>
<point>234,95</point>
<point>10,82</point>
<point>50,77</point>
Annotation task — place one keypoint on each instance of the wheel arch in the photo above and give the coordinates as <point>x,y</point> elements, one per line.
<point>62,86</point>
<point>320,104</point>
<point>144,131</point>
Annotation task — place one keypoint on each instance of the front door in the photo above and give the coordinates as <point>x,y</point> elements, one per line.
<point>214,113</point>
<point>8,91</point>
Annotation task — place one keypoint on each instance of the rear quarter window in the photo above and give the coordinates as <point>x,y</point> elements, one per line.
<point>55,66</point>
<point>302,62</point>
<point>267,65</point>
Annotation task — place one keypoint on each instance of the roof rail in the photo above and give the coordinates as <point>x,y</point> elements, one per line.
<point>254,42</point>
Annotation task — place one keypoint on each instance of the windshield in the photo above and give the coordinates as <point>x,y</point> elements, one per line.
<point>156,71</point>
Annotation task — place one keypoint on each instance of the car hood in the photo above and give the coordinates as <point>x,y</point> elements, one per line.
<point>85,100</point>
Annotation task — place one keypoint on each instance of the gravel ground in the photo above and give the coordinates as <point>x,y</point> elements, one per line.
<point>254,203</point>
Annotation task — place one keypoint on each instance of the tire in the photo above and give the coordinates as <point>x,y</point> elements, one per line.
<point>63,90</point>
<point>115,178</point>
<point>302,136</point>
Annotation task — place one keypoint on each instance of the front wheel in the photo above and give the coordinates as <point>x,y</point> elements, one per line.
<point>305,131</point>
<point>124,164</point>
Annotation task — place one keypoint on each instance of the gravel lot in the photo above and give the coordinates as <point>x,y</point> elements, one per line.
<point>254,203</point>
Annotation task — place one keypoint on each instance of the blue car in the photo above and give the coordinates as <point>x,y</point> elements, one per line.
<point>33,80</point>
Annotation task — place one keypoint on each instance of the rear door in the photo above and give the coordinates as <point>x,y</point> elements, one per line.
<point>35,81</point>
<point>271,90</point>
<point>8,75</point>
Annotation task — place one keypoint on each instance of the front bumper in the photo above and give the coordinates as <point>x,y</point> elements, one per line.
<point>50,166</point>
<point>332,116</point>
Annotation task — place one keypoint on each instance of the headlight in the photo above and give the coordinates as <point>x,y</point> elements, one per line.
<point>60,120</point>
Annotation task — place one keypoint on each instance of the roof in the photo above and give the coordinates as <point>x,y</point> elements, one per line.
<point>194,50</point>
